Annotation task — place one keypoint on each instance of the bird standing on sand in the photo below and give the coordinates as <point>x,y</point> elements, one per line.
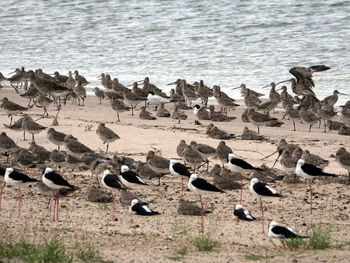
<point>56,137</point>
<point>222,151</point>
<point>179,169</point>
<point>201,186</point>
<point>55,182</point>
<point>17,179</point>
<point>262,189</point>
<point>32,127</point>
<point>119,107</point>
<point>158,164</point>
<point>106,135</point>
<point>238,165</point>
<point>111,182</point>
<point>309,172</point>
<point>11,107</point>
<point>343,158</point>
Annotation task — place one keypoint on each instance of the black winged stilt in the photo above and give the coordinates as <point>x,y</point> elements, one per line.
<point>201,186</point>
<point>308,172</point>
<point>111,182</point>
<point>55,182</point>
<point>278,231</point>
<point>262,189</point>
<point>179,169</point>
<point>18,179</point>
<point>238,165</point>
<point>241,213</point>
<point>140,208</point>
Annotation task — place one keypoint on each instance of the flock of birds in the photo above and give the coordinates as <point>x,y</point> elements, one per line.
<point>122,173</point>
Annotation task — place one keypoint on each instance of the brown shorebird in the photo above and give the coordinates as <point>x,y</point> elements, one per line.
<point>250,100</point>
<point>17,126</point>
<point>146,115</point>
<point>343,158</point>
<point>308,117</point>
<point>294,114</point>
<point>7,145</point>
<point>24,158</point>
<point>175,97</point>
<point>40,154</point>
<point>153,88</point>
<point>204,92</point>
<point>178,89</point>
<point>259,119</point>
<point>251,135</point>
<point>158,164</point>
<point>138,91</point>
<point>334,125</point>
<point>177,114</point>
<point>286,98</point>
<point>32,127</point>
<point>289,160</point>
<point>99,94</point>
<point>58,158</point>
<point>218,116</point>
<point>314,159</point>
<point>267,106</point>
<point>200,112</point>
<point>193,157</point>
<point>70,83</point>
<point>222,152</point>
<point>112,95</point>
<point>44,102</point>
<point>119,107</point>
<point>223,99</point>
<point>245,90</point>
<point>79,78</point>
<point>205,150</point>
<point>214,132</point>
<point>330,101</point>
<point>11,107</point>
<point>117,86</point>
<point>162,112</point>
<point>80,91</point>
<point>56,137</point>
<point>30,94</point>
<point>188,92</point>
<point>274,95</point>
<point>102,77</point>
<point>60,79</point>
<point>74,147</point>
<point>345,113</point>
<point>132,99</point>
<point>325,114</point>
<point>180,148</point>
<point>106,134</point>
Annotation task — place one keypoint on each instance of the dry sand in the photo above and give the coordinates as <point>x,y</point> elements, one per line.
<point>153,238</point>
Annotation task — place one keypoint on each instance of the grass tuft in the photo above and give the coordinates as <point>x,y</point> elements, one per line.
<point>319,238</point>
<point>205,241</point>
<point>254,257</point>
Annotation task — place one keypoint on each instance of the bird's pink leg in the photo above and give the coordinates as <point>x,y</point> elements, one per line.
<point>0,194</point>
<point>57,204</point>
<point>54,206</point>
<point>113,208</point>
<point>241,189</point>
<point>262,215</point>
<point>310,197</point>
<point>201,210</point>
<point>131,220</point>
<point>19,202</point>
<point>182,189</point>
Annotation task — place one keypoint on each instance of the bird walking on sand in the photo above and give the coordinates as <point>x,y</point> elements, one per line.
<point>17,179</point>
<point>200,187</point>
<point>262,189</point>
<point>106,135</point>
<point>55,182</point>
<point>238,165</point>
<point>111,182</point>
<point>309,172</point>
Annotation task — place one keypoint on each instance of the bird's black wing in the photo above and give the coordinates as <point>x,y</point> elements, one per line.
<point>2,171</point>
<point>204,185</point>
<point>314,170</point>
<point>132,177</point>
<point>239,213</point>
<point>17,176</point>
<point>181,169</point>
<point>284,231</point>
<point>112,180</point>
<point>58,179</point>
<point>318,68</point>
<point>142,209</point>
<point>263,189</point>
<point>241,163</point>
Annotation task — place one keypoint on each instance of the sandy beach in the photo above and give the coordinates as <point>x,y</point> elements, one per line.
<point>157,238</point>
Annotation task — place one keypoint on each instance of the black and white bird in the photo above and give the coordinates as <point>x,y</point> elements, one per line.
<point>140,208</point>
<point>278,231</point>
<point>130,180</point>
<point>17,179</point>
<point>240,166</point>
<point>2,176</point>
<point>241,213</point>
<point>262,189</point>
<point>308,172</point>
<point>177,168</point>
<point>55,182</point>
<point>201,186</point>
<point>111,182</point>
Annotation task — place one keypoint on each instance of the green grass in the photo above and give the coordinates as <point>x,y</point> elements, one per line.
<point>254,257</point>
<point>49,251</point>
<point>294,243</point>
<point>205,241</point>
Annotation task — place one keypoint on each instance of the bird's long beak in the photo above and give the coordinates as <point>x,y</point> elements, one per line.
<point>278,89</point>
<point>283,81</point>
<point>266,86</point>
<point>12,72</point>
<point>172,83</point>
<point>139,81</point>
<point>236,88</point>
<point>342,93</point>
